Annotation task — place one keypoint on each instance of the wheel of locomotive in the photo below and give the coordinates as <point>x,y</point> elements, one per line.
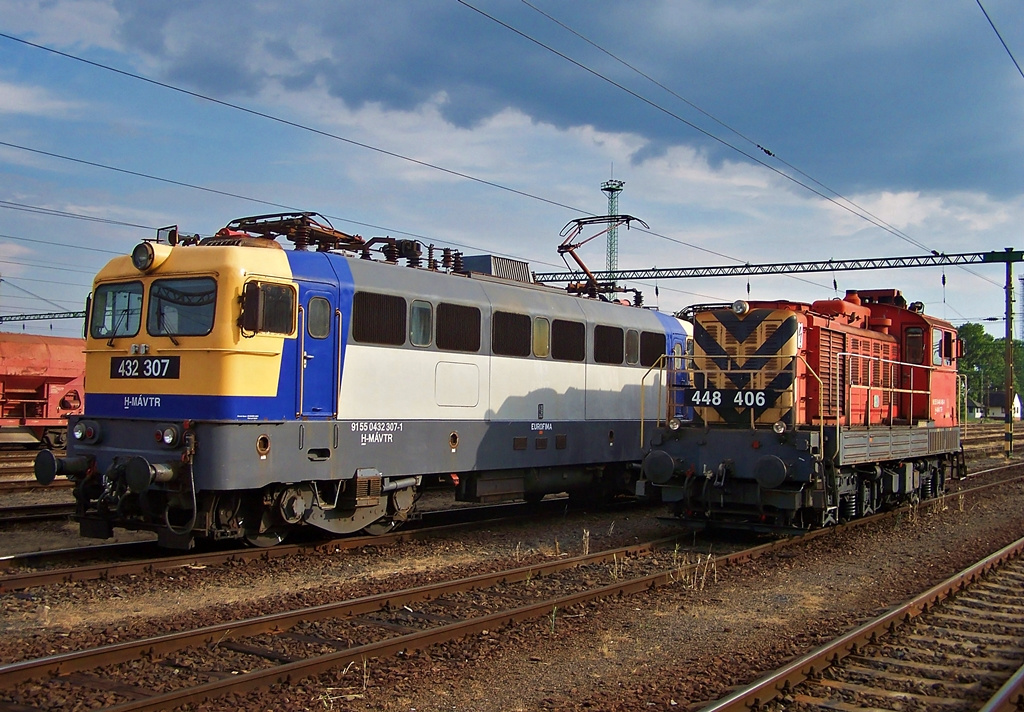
<point>272,535</point>
<point>260,525</point>
<point>400,505</point>
<point>380,527</point>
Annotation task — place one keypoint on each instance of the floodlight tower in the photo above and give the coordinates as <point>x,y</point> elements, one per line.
<point>612,188</point>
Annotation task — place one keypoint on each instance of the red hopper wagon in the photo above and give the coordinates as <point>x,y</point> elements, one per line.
<point>41,384</point>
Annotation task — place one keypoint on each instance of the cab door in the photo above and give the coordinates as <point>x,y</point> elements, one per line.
<point>679,349</point>
<point>319,335</point>
<point>914,375</point>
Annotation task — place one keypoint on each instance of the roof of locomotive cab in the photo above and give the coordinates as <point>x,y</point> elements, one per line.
<point>202,259</point>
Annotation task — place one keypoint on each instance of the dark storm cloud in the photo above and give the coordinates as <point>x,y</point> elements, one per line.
<point>862,95</point>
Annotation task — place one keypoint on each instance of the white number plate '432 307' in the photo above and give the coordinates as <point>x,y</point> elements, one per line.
<point>145,367</point>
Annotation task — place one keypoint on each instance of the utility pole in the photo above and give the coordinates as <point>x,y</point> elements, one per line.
<point>1008,415</point>
<point>612,188</point>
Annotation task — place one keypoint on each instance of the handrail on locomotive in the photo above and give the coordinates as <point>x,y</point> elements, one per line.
<point>677,377</point>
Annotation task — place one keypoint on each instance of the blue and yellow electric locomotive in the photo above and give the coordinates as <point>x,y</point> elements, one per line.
<point>236,389</point>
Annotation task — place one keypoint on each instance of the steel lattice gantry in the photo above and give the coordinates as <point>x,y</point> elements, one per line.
<point>932,260</point>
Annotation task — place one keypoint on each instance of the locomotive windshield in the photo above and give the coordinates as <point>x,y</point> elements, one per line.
<point>116,310</point>
<point>181,307</point>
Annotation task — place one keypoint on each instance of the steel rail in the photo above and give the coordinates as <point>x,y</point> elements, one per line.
<point>120,652</point>
<point>464,517</point>
<point>781,681</point>
<point>292,670</point>
<point>36,513</point>
<point>154,647</point>
<point>90,572</point>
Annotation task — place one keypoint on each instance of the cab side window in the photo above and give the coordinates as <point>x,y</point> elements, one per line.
<point>913,343</point>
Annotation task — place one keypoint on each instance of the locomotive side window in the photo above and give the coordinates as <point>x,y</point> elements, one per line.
<point>378,319</point>
<point>632,347</point>
<point>913,341</point>
<point>181,307</point>
<point>268,307</point>
<point>458,328</point>
<point>116,310</point>
<point>541,337</point>
<point>652,347</point>
<point>607,344</point>
<point>942,348</point>
<point>510,334</point>
<point>318,318</point>
<point>568,340</point>
<point>421,323</point>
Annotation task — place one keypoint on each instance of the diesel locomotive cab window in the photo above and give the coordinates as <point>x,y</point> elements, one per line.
<point>607,344</point>
<point>942,347</point>
<point>568,340</point>
<point>318,320</point>
<point>458,328</point>
<point>378,319</point>
<point>914,345</point>
<point>510,334</point>
<point>181,307</point>
<point>116,310</point>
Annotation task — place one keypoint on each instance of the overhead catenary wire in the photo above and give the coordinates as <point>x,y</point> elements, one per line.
<point>751,141</point>
<point>695,127</point>
<point>849,205</point>
<point>367,146</point>
<point>1001,40</point>
<point>393,154</point>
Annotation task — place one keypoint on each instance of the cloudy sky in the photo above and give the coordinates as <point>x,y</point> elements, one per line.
<point>487,125</point>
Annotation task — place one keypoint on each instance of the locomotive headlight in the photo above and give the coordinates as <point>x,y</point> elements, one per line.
<point>779,427</point>
<point>147,256</point>
<point>673,423</point>
<point>143,256</point>
<point>740,307</point>
<point>86,431</point>
<point>170,436</point>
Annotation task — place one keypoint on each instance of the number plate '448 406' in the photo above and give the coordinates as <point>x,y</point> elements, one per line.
<point>714,397</point>
<point>145,366</point>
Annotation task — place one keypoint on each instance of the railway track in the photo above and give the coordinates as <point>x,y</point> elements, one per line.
<point>191,666</point>
<point>35,513</point>
<point>957,646</point>
<point>34,569</point>
<point>237,656</point>
<point>43,568</point>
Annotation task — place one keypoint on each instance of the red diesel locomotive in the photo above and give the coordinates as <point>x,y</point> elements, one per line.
<point>804,415</point>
